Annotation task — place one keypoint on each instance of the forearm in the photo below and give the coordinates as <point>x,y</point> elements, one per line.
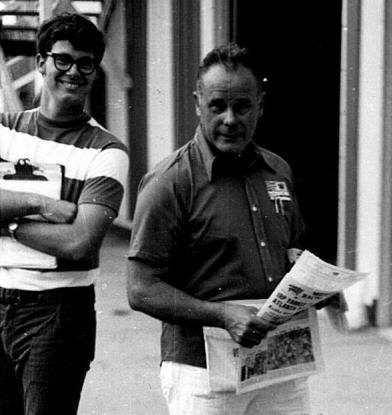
<point>14,205</point>
<point>18,204</point>
<point>149,293</point>
<point>60,240</point>
<point>167,303</point>
<point>74,241</point>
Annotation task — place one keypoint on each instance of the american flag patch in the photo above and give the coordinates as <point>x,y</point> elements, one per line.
<point>279,194</point>
<point>277,190</point>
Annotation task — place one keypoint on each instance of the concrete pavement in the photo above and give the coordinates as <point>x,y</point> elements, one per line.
<point>123,379</point>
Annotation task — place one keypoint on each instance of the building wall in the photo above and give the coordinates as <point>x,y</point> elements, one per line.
<point>214,24</point>
<point>369,60</point>
<point>384,310</point>
<point>160,80</point>
<point>117,85</point>
<point>371,71</point>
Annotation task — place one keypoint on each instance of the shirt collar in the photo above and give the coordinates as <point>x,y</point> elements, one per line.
<point>210,159</point>
<point>75,123</point>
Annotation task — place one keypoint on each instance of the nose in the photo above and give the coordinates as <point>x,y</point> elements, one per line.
<point>73,69</point>
<point>229,117</point>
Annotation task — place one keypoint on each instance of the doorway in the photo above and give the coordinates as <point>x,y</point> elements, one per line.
<point>296,46</point>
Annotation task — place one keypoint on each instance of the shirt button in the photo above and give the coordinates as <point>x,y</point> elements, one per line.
<point>254,208</point>
<point>263,244</point>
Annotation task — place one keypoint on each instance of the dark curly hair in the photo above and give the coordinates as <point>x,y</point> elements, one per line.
<point>79,31</point>
<point>231,56</point>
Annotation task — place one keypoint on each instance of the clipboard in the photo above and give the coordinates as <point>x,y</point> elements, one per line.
<point>39,178</point>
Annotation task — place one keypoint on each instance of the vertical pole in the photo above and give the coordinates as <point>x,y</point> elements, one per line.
<point>233,21</point>
<point>160,81</point>
<point>369,171</point>
<point>136,56</point>
<point>186,49</point>
<point>214,24</point>
<point>45,9</point>
<point>348,134</point>
<point>384,305</point>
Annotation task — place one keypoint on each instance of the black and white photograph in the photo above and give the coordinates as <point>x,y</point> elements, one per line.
<point>179,179</point>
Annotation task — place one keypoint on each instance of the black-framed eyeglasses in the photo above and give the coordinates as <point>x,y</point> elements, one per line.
<point>64,62</point>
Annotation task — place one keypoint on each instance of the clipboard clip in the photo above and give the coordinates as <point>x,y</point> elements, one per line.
<point>24,170</point>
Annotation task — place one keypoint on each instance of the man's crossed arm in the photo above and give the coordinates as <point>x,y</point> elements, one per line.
<point>15,205</point>
<point>70,232</point>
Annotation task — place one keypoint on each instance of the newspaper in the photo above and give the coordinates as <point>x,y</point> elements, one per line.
<point>44,179</point>
<point>292,350</point>
<point>309,281</point>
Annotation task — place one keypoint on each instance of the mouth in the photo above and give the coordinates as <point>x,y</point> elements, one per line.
<point>230,136</point>
<point>71,85</point>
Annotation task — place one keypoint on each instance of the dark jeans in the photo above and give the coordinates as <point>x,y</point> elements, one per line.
<point>47,341</point>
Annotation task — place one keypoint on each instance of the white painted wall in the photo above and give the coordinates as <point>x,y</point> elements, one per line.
<point>214,24</point>
<point>369,159</point>
<point>117,84</point>
<point>160,81</point>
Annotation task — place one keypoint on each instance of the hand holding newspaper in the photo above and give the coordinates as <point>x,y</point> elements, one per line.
<point>309,281</point>
<point>293,349</point>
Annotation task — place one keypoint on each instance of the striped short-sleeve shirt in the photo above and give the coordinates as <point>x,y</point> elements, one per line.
<point>94,165</point>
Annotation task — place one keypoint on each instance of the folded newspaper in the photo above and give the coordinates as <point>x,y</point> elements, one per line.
<point>293,349</point>
<point>44,179</point>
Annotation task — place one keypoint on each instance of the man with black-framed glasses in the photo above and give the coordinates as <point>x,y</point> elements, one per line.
<point>47,316</point>
<point>64,62</point>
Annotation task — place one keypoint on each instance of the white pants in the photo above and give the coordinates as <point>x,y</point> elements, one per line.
<point>186,391</point>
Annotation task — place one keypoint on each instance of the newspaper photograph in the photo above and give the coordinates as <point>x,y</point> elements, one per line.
<point>309,281</point>
<point>290,351</point>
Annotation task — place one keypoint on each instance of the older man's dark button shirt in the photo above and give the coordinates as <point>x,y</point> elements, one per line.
<point>220,225</point>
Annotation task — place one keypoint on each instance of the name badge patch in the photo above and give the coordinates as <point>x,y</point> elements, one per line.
<point>278,193</point>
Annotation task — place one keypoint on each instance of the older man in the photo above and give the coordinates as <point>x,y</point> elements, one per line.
<point>214,222</point>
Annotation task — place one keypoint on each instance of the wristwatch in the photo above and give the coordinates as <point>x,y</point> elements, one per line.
<point>12,228</point>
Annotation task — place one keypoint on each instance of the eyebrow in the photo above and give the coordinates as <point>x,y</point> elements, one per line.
<point>69,54</point>
<point>217,100</point>
<point>240,100</point>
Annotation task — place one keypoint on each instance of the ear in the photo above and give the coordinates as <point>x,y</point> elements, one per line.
<point>197,102</point>
<point>41,64</point>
